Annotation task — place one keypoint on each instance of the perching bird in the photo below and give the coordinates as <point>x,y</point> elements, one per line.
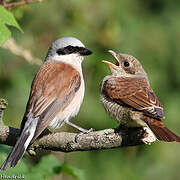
<point>56,95</point>
<point>127,96</point>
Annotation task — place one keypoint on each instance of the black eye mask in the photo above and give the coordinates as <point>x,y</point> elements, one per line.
<point>74,49</point>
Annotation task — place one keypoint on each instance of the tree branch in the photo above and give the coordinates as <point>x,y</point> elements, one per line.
<point>3,2</point>
<point>68,142</point>
<point>18,3</point>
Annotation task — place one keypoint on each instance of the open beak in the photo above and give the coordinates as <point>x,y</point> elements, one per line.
<point>111,65</point>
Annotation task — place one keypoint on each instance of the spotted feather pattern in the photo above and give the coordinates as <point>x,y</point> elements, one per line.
<point>134,92</point>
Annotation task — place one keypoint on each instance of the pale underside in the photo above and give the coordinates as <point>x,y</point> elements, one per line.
<point>127,117</point>
<point>70,111</point>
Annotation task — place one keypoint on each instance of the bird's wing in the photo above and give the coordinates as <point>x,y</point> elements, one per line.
<point>52,90</point>
<point>135,93</point>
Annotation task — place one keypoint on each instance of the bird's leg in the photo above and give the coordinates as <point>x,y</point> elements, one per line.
<point>79,128</point>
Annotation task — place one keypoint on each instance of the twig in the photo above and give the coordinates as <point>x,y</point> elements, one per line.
<point>3,2</point>
<point>18,50</point>
<point>18,3</point>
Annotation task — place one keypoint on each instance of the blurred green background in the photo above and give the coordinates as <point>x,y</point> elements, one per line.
<point>148,30</point>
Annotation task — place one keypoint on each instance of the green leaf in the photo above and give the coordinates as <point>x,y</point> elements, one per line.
<point>6,18</point>
<point>4,33</point>
<point>76,173</point>
<point>47,167</point>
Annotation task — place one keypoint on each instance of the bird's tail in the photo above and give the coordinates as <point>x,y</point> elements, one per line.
<point>161,132</point>
<point>21,145</point>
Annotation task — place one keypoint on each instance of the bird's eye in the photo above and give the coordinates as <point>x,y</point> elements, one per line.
<point>69,48</point>
<point>126,64</point>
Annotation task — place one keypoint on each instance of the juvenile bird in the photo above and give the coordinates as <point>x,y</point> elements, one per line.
<point>56,94</point>
<point>127,96</point>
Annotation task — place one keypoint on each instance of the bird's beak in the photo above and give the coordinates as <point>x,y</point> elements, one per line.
<point>85,52</point>
<point>111,65</point>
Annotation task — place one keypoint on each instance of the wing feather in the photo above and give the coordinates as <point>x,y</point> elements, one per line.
<point>134,92</point>
<point>52,90</point>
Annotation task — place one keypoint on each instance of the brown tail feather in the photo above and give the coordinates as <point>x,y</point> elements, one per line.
<point>161,132</point>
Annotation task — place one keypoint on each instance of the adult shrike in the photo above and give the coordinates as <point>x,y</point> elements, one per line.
<point>56,95</point>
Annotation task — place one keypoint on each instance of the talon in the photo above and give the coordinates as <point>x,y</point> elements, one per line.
<point>87,131</point>
<point>149,136</point>
<point>90,130</point>
<point>83,132</point>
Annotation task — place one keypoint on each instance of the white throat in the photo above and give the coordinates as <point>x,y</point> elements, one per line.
<point>72,59</point>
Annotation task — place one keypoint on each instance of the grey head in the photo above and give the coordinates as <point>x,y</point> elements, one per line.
<point>67,46</point>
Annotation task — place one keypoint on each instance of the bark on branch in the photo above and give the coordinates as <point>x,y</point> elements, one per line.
<point>68,142</point>
<point>17,3</point>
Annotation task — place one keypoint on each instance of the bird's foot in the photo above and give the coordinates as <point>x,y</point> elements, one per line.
<point>149,136</point>
<point>85,131</point>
